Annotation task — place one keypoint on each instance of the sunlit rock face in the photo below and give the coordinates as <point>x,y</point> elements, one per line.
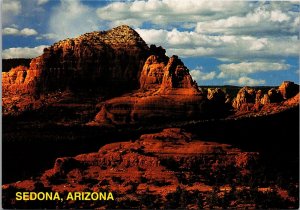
<point>167,92</point>
<point>274,100</point>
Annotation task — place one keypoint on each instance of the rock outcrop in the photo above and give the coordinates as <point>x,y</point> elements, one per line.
<point>153,72</point>
<point>245,98</point>
<point>158,163</point>
<point>167,92</point>
<point>249,99</point>
<point>288,89</point>
<point>19,80</point>
<point>96,60</point>
<point>217,95</point>
<point>177,79</point>
<point>252,103</point>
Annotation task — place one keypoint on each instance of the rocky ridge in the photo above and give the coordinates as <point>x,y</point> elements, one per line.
<point>251,102</point>
<point>158,164</point>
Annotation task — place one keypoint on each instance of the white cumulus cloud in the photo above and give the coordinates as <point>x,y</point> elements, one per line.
<point>198,74</point>
<point>41,2</point>
<point>165,12</point>
<point>246,81</point>
<point>263,20</point>
<point>23,52</point>
<point>245,68</point>
<point>50,36</point>
<point>230,47</point>
<point>23,32</point>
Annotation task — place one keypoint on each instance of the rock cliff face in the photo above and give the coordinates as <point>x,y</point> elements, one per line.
<point>19,80</point>
<point>177,79</point>
<point>94,60</point>
<point>153,70</point>
<point>167,92</point>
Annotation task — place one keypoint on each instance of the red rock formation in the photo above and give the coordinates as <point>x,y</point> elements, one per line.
<point>154,162</point>
<point>99,61</point>
<point>248,99</point>
<point>96,60</point>
<point>265,99</point>
<point>19,80</point>
<point>245,98</point>
<point>177,79</point>
<point>288,89</point>
<point>275,95</point>
<point>217,95</point>
<point>152,73</point>
<point>167,92</point>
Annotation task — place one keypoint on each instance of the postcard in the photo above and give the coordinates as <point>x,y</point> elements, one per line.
<point>150,104</point>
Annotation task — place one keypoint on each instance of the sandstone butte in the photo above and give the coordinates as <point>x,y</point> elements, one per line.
<point>155,165</point>
<point>111,63</point>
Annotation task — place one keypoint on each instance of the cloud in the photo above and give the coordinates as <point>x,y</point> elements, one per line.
<point>28,32</point>
<point>41,2</point>
<point>11,6</point>
<point>23,52</point>
<point>198,75</point>
<point>10,31</point>
<point>50,36</point>
<point>263,21</point>
<point>227,30</point>
<point>245,68</point>
<point>72,18</point>
<point>10,9</point>
<point>229,47</point>
<point>17,32</point>
<point>247,81</point>
<point>168,12</point>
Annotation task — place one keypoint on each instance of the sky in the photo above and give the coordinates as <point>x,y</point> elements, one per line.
<point>221,42</point>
